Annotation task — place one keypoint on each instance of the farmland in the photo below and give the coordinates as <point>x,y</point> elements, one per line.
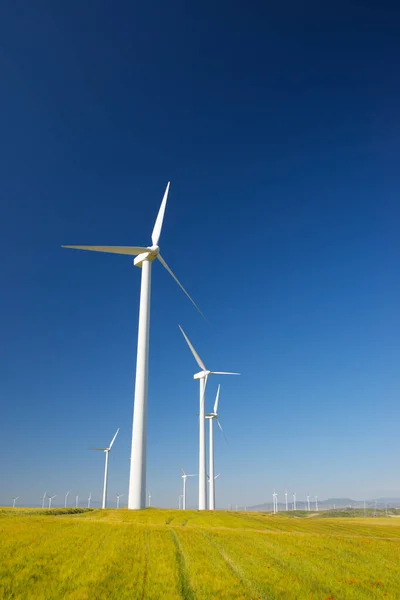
<point>167,554</point>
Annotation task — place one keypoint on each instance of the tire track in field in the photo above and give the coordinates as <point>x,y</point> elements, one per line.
<point>186,590</point>
<point>233,567</point>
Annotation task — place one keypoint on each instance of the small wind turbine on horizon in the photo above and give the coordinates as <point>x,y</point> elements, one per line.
<point>286,501</point>
<point>118,497</point>
<point>51,499</point>
<point>14,500</point>
<point>308,503</point>
<point>184,477</point>
<point>149,503</point>
<point>89,499</point>
<point>211,417</point>
<point>76,501</point>
<point>294,500</point>
<point>107,451</point>
<point>202,376</point>
<point>43,499</point>
<point>275,500</point>
<point>66,498</point>
<point>144,259</point>
<point>316,503</point>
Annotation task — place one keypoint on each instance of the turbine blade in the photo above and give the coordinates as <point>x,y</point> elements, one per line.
<point>129,250</point>
<point>113,440</point>
<point>196,356</point>
<point>100,449</point>
<point>216,477</point>
<point>164,264</point>
<point>222,431</point>
<point>216,401</point>
<point>223,373</point>
<point>183,471</point>
<point>155,236</point>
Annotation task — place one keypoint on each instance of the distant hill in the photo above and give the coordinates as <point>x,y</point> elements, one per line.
<point>329,504</point>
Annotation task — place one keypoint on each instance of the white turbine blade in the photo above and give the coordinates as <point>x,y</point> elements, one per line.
<point>223,373</point>
<point>164,264</point>
<point>216,477</point>
<point>222,431</point>
<point>183,471</point>
<point>113,440</point>
<point>100,449</point>
<point>155,236</point>
<point>216,401</point>
<point>196,356</point>
<point>129,250</point>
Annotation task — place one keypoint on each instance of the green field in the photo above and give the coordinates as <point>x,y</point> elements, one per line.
<point>162,554</point>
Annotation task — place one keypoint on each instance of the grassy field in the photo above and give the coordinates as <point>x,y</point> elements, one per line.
<point>166,554</point>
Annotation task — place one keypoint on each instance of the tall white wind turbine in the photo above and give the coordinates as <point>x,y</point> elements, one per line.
<point>76,501</point>
<point>107,451</point>
<point>211,417</point>
<point>43,499</point>
<point>149,503</point>
<point>51,499</point>
<point>14,500</point>
<point>118,497</point>
<point>308,503</point>
<point>144,258</point>
<point>294,500</point>
<point>316,504</point>
<point>89,499</point>
<point>66,498</point>
<point>202,376</point>
<point>286,502</point>
<point>184,477</point>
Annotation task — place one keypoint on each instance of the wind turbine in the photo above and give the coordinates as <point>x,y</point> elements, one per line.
<point>316,503</point>
<point>89,499</point>
<point>149,504</point>
<point>294,500</point>
<point>118,497</point>
<point>51,499</point>
<point>66,498</point>
<point>211,417</point>
<point>286,502</point>
<point>14,499</point>
<point>43,499</point>
<point>202,376</point>
<point>106,450</point>
<point>308,503</point>
<point>144,258</point>
<point>184,477</point>
<point>275,499</point>
<point>76,501</point>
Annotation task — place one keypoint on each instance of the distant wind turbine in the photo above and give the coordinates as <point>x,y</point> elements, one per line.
<point>66,498</point>
<point>14,500</point>
<point>144,259</point>
<point>294,500</point>
<point>211,417</point>
<point>107,451</point>
<point>76,501</point>
<point>308,503</point>
<point>118,497</point>
<point>43,499</point>
<point>316,503</point>
<point>89,499</point>
<point>202,376</point>
<point>286,502</point>
<point>149,504</point>
<point>51,499</point>
<point>184,477</point>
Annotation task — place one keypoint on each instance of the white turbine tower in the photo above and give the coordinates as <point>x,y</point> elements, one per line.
<point>118,497</point>
<point>211,417</point>
<point>286,502</point>
<point>107,451</point>
<point>294,500</point>
<point>308,503</point>
<point>76,501</point>
<point>316,504</point>
<point>275,500</point>
<point>202,376</point>
<point>43,499</point>
<point>66,498</point>
<point>51,499</point>
<point>89,499</point>
<point>144,258</point>
<point>184,477</point>
<point>149,504</point>
<point>14,500</point>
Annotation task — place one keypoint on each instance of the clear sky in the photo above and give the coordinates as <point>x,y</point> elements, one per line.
<point>278,126</point>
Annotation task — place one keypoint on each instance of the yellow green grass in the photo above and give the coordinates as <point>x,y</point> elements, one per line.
<point>166,554</point>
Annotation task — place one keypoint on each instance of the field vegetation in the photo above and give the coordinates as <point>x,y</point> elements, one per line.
<point>165,554</point>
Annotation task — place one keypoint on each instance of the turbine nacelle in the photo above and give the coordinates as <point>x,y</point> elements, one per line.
<point>153,252</point>
<point>202,375</point>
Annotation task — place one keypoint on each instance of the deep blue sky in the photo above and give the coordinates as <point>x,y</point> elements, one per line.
<point>279,129</point>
